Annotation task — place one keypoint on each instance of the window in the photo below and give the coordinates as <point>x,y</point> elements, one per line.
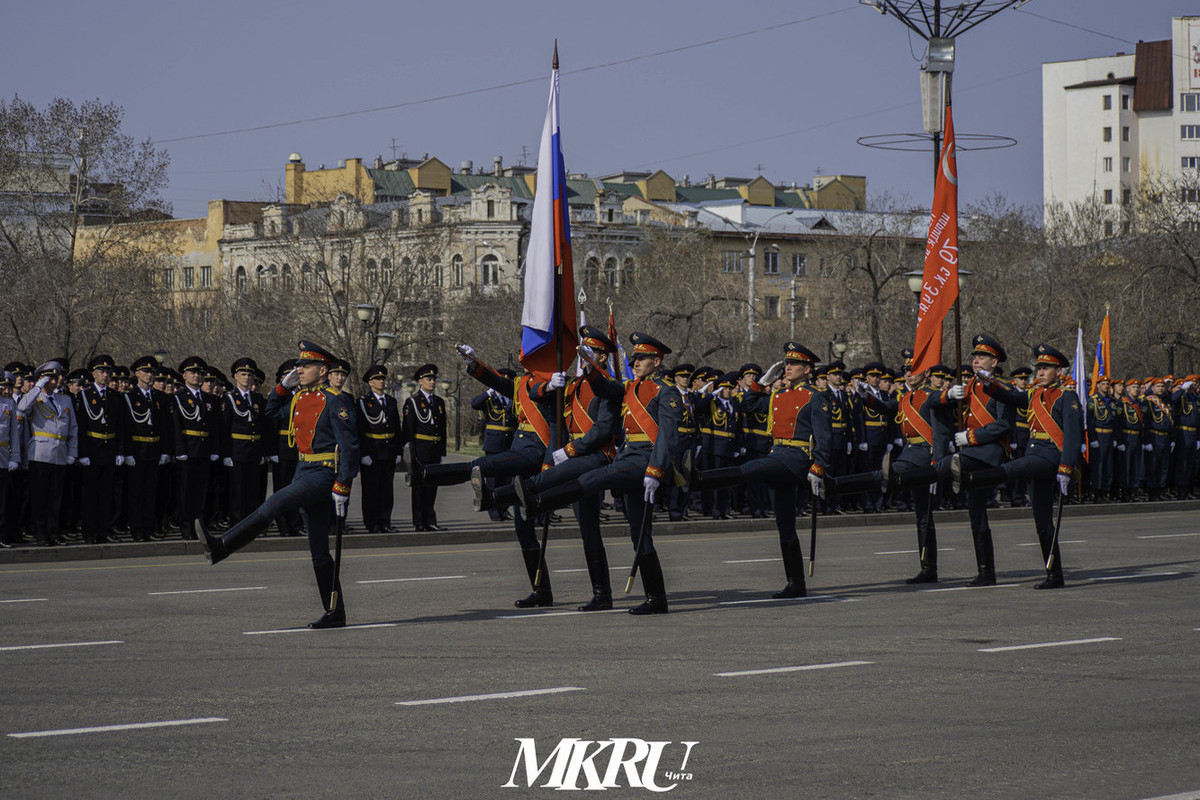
<point>422,270</point>
<point>1125,163</point>
<point>1108,228</point>
<point>261,272</point>
<point>168,278</point>
<point>491,208</point>
<point>1189,131</point>
<point>1124,133</point>
<point>1124,102</point>
<point>800,265</point>
<point>1189,194</point>
<point>1108,163</point>
<point>1108,102</point>
<point>1108,197</point>
<point>610,215</point>
<point>189,277</point>
<point>372,275</point>
<point>289,280</point>
<point>1189,101</point>
<point>489,271</point>
<point>827,266</point>
<point>205,276</point>
<point>771,262</point>
<point>731,261</point>
<point>239,280</point>
<point>1191,162</point>
<point>439,273</point>
<point>802,307</point>
<point>771,307</point>
<point>306,279</point>
<point>456,267</point>
<point>591,271</point>
<point>1108,134</point>
<point>1125,196</point>
<point>627,272</point>
<point>610,271</point>
<point>388,276</point>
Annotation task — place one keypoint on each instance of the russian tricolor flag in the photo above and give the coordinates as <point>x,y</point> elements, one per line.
<point>548,317</point>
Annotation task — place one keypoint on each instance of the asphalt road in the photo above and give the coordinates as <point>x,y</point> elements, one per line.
<point>869,688</point>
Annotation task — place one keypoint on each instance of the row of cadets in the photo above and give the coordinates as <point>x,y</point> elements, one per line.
<point>799,421</point>
<point>677,497</point>
<point>651,411</point>
<point>593,422</point>
<point>756,436</point>
<point>498,419</point>
<point>719,421</point>
<point>321,422</point>
<point>842,418</point>
<point>533,400</point>
<point>380,439</point>
<point>197,420</point>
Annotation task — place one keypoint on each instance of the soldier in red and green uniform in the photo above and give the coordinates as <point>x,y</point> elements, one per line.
<point>321,423</point>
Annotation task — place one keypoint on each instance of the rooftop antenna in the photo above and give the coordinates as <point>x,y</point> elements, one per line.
<point>395,147</point>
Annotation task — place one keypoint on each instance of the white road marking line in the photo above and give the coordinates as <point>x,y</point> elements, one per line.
<point>791,669</point>
<point>26,600</point>
<point>404,580</point>
<point>584,569</point>
<point>1134,576</point>
<point>1168,535</point>
<point>206,591</point>
<point>497,696</point>
<point>752,561</point>
<point>781,600</point>
<point>108,728</point>
<point>1049,644</point>
<point>310,630</point>
<point>60,644</point>
<point>558,614</point>
<point>1184,796</point>
<point>911,552</point>
<point>966,588</point>
<point>1060,541</point>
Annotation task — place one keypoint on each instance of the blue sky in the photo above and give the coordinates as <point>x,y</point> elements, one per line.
<point>789,99</point>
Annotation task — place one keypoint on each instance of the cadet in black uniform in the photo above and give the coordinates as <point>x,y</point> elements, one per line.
<point>379,448</point>
<point>197,423</point>
<point>146,446</point>
<point>101,415</point>
<point>424,426</point>
<point>284,460</point>
<point>499,419</point>
<point>243,440</point>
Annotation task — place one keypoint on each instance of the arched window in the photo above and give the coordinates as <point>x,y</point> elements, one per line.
<point>627,272</point>
<point>422,270</point>
<point>261,272</point>
<point>388,276</point>
<point>289,281</point>
<point>306,277</point>
<point>489,270</point>
<point>591,270</point>
<point>239,280</point>
<point>610,271</point>
<point>439,274</point>
<point>456,267</point>
<point>372,275</point>
<point>406,270</point>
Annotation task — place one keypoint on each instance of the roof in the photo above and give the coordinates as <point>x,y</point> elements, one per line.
<point>1152,66</point>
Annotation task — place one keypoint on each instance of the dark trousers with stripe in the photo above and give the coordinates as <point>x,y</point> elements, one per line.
<point>587,510</point>
<point>523,459</point>
<point>141,484</point>
<point>376,482</point>
<point>97,498</point>
<point>192,482</point>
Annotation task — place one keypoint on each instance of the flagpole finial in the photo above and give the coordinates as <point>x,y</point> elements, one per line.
<point>555,65</point>
<point>1106,307</point>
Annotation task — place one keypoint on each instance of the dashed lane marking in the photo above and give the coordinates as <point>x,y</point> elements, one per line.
<point>27,600</point>
<point>804,668</point>
<point>208,591</point>
<point>1168,535</point>
<point>111,728</point>
<point>467,698</point>
<point>313,630</point>
<point>809,599</point>
<point>559,614</point>
<point>406,580</point>
<point>912,552</point>
<point>1134,576</point>
<point>1066,643</point>
<point>971,588</point>
<point>752,561</point>
<point>57,644</point>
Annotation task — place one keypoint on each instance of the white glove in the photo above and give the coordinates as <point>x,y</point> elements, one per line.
<point>1120,448</point>
<point>341,503</point>
<point>42,381</point>
<point>957,392</point>
<point>1064,481</point>
<point>817,485</point>
<point>1172,447</point>
<point>71,460</point>
<point>888,449</point>
<point>962,438</point>
<point>983,373</point>
<point>741,451</point>
<point>863,446</point>
<point>558,380</point>
<point>1094,444</point>
<point>399,460</point>
<point>227,461</point>
<point>492,392</point>
<point>588,352</point>
<point>1186,385</point>
<point>181,458</point>
<point>163,460</point>
<point>366,461</point>
<point>849,448</point>
<point>651,486</point>
<point>1147,447</point>
<point>1012,446</point>
<point>467,352</point>
<point>559,456</point>
<point>214,457</point>
<point>292,379</point>
<point>898,442</point>
<point>84,462</point>
<point>772,374</point>
<point>273,459</point>
<point>119,461</point>
<point>1198,445</point>
<point>262,461</point>
<point>129,461</point>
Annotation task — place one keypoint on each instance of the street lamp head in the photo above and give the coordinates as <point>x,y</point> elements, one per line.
<point>445,384</point>
<point>160,355</point>
<point>840,346</point>
<point>366,312</point>
<point>385,342</point>
<point>916,282</point>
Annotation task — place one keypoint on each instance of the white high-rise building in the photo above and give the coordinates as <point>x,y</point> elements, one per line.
<point>1109,121</point>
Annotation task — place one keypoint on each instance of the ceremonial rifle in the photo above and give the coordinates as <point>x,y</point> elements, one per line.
<point>812,538</point>
<point>637,554</point>
<point>337,551</point>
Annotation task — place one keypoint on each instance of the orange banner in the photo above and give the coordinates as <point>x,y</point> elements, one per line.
<point>940,287</point>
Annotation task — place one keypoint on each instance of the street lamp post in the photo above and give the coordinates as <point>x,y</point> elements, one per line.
<point>445,384</point>
<point>836,348</point>
<point>752,241</point>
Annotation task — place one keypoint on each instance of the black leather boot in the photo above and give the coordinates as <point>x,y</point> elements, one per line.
<point>541,596</point>
<point>859,482</point>
<point>446,474</point>
<point>537,503</point>
<point>597,564</point>
<point>793,568</point>
<point>246,531</point>
<point>983,478</point>
<point>1054,580</point>
<point>912,478</point>
<point>721,478</point>
<point>333,617</point>
<point>654,584</point>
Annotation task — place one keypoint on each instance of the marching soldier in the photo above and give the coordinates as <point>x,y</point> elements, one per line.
<point>720,426</point>
<point>1102,422</point>
<point>10,459</point>
<point>51,447</point>
<point>1052,455</point>
<point>499,419</point>
<point>146,447</point>
<point>424,426</point>
<point>652,410</point>
<point>1016,490</point>
<point>876,427</point>
<point>756,436</point>
<point>197,424</point>
<point>243,446</point>
<point>322,425</point>
<point>801,436</point>
<point>1157,445</point>
<point>101,417</point>
<point>284,461</point>
<point>1186,402</point>
<point>379,449</point>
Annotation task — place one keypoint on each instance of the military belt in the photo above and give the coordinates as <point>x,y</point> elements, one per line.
<point>1102,430</point>
<point>425,437</point>
<point>49,435</point>
<point>4,444</point>
<point>760,432</point>
<point>1160,433</point>
<point>575,435</point>
<point>1022,424</point>
<point>637,437</point>
<point>1040,436</point>
<point>145,439</point>
<point>285,432</point>
<point>102,436</point>
<point>801,443</point>
<point>319,457</point>
<point>245,437</point>
<point>1187,427</point>
<point>201,434</point>
<point>383,436</point>
<point>916,440</point>
<point>719,432</point>
<point>501,428</point>
<point>686,429</point>
<point>871,424</point>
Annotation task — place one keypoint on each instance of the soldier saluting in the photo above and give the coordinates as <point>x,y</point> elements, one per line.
<point>52,447</point>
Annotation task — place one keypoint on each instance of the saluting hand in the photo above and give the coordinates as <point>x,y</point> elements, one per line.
<point>957,392</point>
<point>772,374</point>
<point>292,379</point>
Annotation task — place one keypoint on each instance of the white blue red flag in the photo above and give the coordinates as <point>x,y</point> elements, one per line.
<point>548,316</point>
<point>1081,385</point>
